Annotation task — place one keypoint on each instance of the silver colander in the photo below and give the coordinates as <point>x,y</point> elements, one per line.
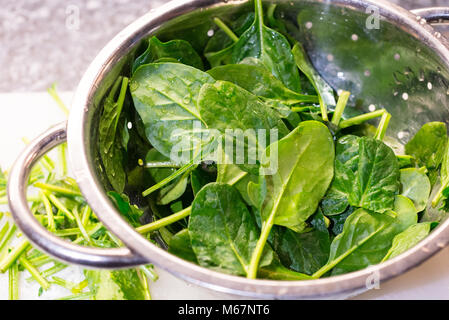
<point>385,56</point>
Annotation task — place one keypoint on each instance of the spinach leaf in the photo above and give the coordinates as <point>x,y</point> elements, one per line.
<point>444,179</point>
<point>199,178</point>
<point>247,117</point>
<point>415,185</point>
<point>338,221</point>
<point>302,177</point>
<point>408,238</point>
<point>299,182</point>
<point>259,81</point>
<point>270,47</point>
<point>324,90</point>
<point>303,252</point>
<point>129,211</point>
<point>366,176</point>
<point>223,232</point>
<point>427,147</point>
<point>180,246</point>
<point>220,40</point>
<point>174,50</point>
<point>165,96</point>
<point>346,164</point>
<point>111,149</point>
<point>115,285</point>
<point>367,237</point>
<point>377,177</point>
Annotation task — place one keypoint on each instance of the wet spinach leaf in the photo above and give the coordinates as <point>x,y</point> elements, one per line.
<point>259,81</point>
<point>177,50</point>
<point>223,232</point>
<point>247,117</point>
<point>165,96</point>
<point>180,246</point>
<point>366,176</point>
<point>110,135</point>
<point>409,238</point>
<point>270,47</point>
<point>427,147</point>
<point>367,236</point>
<point>303,252</point>
<point>130,212</point>
<point>415,185</point>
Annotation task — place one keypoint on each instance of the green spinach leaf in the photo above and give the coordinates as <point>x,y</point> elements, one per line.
<point>174,50</point>
<point>223,232</point>
<point>408,238</point>
<point>415,185</point>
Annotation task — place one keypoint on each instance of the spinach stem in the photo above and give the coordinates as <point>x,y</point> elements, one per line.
<point>4,230</point>
<point>7,237</point>
<point>226,29</point>
<point>438,196</point>
<point>121,100</point>
<point>58,266</point>
<point>62,159</point>
<point>13,256</point>
<point>87,212</point>
<point>340,108</point>
<point>258,250</point>
<point>361,118</point>
<point>164,221</point>
<point>169,178</point>
<point>14,282</point>
<point>83,231</point>
<point>144,281</point>
<point>55,96</point>
<point>58,204</point>
<point>34,272</point>
<point>57,189</point>
<point>49,211</point>
<point>383,125</point>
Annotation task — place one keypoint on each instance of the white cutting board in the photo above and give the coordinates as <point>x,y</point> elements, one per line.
<point>29,114</point>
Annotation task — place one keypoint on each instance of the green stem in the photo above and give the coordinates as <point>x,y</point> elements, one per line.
<point>13,256</point>
<point>226,29</point>
<point>14,282</point>
<point>7,237</point>
<point>57,189</point>
<point>55,96</point>
<point>383,125</point>
<point>144,281</point>
<point>439,195</point>
<point>54,269</point>
<point>4,230</point>
<point>60,206</point>
<point>49,211</point>
<point>169,178</point>
<point>81,227</point>
<point>340,108</point>
<point>40,260</point>
<point>164,221</point>
<point>87,211</point>
<point>362,118</point>
<point>63,159</point>
<point>258,250</point>
<point>121,100</point>
<point>34,273</point>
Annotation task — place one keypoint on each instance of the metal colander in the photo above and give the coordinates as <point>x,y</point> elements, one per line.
<point>385,56</point>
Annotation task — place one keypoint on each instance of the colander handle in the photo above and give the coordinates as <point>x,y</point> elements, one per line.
<point>433,14</point>
<point>36,233</point>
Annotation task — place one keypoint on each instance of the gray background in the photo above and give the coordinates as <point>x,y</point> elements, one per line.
<point>40,43</point>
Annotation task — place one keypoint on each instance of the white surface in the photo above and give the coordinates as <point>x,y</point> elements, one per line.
<point>28,115</point>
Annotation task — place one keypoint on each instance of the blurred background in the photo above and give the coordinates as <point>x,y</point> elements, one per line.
<point>46,41</point>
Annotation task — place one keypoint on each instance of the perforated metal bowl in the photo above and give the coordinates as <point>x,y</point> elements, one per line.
<point>402,66</point>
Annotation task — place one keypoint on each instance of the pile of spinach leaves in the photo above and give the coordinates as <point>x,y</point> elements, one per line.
<point>340,199</point>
